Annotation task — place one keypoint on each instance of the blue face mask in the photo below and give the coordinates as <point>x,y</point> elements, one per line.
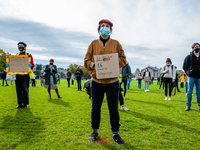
<point>105,31</point>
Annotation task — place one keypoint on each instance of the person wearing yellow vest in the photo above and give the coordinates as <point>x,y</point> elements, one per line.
<point>22,81</point>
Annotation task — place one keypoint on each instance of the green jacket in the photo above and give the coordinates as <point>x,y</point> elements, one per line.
<point>47,70</point>
<point>126,71</point>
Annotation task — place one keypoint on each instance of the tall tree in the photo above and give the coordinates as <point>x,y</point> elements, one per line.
<point>3,56</point>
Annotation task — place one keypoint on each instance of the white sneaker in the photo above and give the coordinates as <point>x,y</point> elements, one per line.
<point>169,98</point>
<point>124,108</point>
<point>165,98</point>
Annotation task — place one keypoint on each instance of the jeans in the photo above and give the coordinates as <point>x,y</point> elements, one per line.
<point>191,83</point>
<point>128,83</point>
<point>186,86</point>
<point>146,85</point>
<point>112,94</point>
<point>78,81</point>
<point>68,81</point>
<point>139,84</point>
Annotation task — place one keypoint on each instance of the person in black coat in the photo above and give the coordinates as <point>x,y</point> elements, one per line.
<point>79,74</point>
<point>4,78</point>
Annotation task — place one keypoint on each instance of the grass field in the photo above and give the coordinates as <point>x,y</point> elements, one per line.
<point>151,123</point>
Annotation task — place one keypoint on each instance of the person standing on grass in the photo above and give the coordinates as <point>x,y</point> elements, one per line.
<point>176,80</point>
<point>22,81</point>
<point>50,80</point>
<point>69,74</point>
<point>59,77</point>
<point>169,72</point>
<point>4,78</point>
<point>139,78</point>
<point>121,99</point>
<point>110,86</point>
<point>41,79</point>
<point>182,80</point>
<point>126,72</point>
<point>158,80</point>
<point>191,66</point>
<point>79,74</point>
<point>147,78</point>
<point>72,79</point>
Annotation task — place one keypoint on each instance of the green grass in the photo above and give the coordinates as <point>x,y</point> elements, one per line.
<point>151,123</point>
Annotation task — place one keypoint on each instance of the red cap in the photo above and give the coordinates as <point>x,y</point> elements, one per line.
<point>107,21</point>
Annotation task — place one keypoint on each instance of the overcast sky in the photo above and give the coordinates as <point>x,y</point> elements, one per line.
<point>149,30</point>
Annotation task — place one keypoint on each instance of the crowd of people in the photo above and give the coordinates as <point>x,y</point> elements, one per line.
<point>96,87</point>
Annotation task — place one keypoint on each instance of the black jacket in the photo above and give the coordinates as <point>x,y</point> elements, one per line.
<point>3,76</point>
<point>191,65</point>
<point>79,75</point>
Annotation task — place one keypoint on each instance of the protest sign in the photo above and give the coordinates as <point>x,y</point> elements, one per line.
<point>107,66</point>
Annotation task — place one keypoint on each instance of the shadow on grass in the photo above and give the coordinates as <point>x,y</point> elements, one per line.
<point>152,103</point>
<point>23,128</point>
<point>59,102</point>
<point>162,121</point>
<point>111,146</point>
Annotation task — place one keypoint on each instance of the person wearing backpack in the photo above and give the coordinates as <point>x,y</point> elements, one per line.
<point>169,76</point>
<point>126,72</point>
<point>191,66</point>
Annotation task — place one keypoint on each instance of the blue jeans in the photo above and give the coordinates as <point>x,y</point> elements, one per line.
<point>186,86</point>
<point>139,84</point>
<point>128,83</point>
<point>191,83</point>
<point>78,81</point>
<point>146,85</point>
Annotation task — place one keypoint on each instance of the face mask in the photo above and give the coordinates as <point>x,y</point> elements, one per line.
<point>196,50</point>
<point>168,64</point>
<point>105,31</point>
<point>51,63</point>
<point>21,48</point>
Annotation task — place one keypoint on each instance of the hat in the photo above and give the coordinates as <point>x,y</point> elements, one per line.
<point>22,43</point>
<point>106,21</point>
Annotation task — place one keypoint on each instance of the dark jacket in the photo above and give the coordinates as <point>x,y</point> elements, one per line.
<point>79,75</point>
<point>191,65</point>
<point>144,75</point>
<point>47,70</point>
<point>126,71</point>
<point>69,74</point>
<point>3,76</point>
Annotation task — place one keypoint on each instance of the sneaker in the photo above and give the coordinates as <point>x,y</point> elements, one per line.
<point>165,98</point>
<point>23,107</point>
<point>118,139</point>
<point>124,108</point>
<point>187,108</point>
<point>18,107</point>
<point>169,98</point>
<point>94,137</point>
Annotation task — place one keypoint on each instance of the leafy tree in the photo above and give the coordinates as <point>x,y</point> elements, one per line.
<point>3,56</point>
<point>86,72</point>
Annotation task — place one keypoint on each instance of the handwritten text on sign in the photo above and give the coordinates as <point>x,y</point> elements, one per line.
<point>18,64</point>
<point>107,66</point>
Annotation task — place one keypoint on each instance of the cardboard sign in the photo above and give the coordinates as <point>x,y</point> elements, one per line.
<point>146,79</point>
<point>107,66</point>
<point>18,65</point>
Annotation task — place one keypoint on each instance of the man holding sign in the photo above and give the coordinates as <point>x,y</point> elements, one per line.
<point>104,57</point>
